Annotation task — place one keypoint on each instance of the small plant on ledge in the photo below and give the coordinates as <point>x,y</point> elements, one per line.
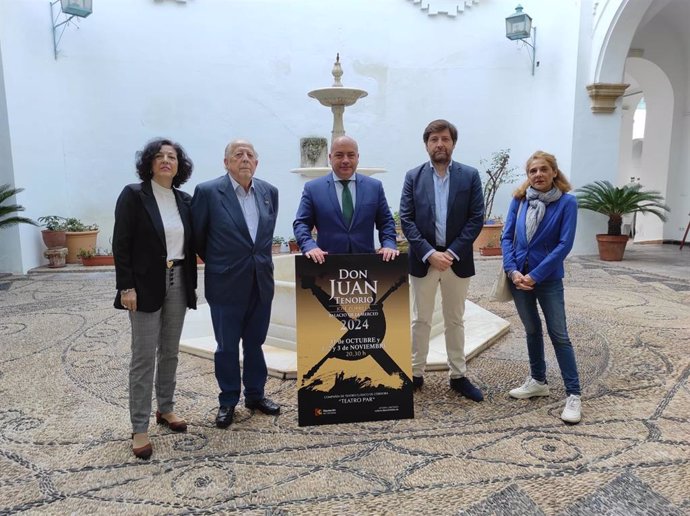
<point>86,253</point>
<point>278,241</point>
<point>95,256</point>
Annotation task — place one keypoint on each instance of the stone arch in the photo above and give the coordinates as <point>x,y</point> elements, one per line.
<point>615,24</point>
<point>653,165</point>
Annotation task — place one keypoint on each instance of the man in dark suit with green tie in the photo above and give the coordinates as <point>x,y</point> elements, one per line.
<point>345,207</point>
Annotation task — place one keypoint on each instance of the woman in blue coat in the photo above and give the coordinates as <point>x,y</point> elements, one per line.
<point>538,235</point>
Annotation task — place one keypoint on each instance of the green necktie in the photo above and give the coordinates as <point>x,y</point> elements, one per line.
<point>347,202</point>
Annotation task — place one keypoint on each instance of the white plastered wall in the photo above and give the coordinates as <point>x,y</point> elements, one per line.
<point>205,72</point>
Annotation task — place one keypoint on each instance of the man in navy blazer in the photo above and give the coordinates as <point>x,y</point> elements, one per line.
<point>324,205</point>
<point>234,217</point>
<point>441,214</point>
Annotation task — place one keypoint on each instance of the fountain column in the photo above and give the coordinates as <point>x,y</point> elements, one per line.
<point>337,97</point>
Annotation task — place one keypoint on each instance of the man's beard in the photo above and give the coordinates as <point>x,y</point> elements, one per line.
<point>442,159</point>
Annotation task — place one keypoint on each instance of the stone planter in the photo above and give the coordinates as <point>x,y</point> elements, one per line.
<point>79,240</point>
<point>611,247</point>
<point>56,257</point>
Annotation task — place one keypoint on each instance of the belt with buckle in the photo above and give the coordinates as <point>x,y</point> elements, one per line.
<point>173,263</point>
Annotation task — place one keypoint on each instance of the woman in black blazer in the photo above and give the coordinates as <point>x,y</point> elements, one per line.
<point>155,267</point>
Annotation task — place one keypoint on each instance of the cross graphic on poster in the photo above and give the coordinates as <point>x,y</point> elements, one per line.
<point>353,357</point>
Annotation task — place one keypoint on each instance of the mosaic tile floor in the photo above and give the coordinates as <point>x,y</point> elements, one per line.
<point>64,431</point>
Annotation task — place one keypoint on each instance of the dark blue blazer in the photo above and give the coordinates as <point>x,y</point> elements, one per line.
<point>463,224</point>
<point>551,243</point>
<point>139,247</point>
<point>234,264</point>
<point>319,208</point>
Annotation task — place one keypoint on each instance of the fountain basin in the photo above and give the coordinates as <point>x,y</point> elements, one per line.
<point>337,96</point>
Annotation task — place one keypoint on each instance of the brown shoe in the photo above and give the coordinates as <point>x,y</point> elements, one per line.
<point>176,426</point>
<point>144,451</point>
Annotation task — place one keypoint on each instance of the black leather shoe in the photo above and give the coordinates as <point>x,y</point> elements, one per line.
<point>263,405</point>
<point>224,416</point>
<point>417,382</point>
<point>465,388</point>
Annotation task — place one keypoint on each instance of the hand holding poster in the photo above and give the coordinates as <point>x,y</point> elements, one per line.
<point>353,340</point>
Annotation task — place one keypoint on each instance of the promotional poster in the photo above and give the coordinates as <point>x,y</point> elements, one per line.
<point>353,339</point>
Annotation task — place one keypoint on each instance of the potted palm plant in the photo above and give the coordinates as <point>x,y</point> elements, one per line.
<point>8,212</point>
<point>496,173</point>
<point>614,202</point>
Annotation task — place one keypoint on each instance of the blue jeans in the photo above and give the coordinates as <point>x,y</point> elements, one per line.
<point>549,294</point>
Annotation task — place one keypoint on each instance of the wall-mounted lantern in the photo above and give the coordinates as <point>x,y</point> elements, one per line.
<point>71,8</point>
<point>519,27</point>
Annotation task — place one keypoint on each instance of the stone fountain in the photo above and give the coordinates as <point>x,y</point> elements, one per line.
<point>314,151</point>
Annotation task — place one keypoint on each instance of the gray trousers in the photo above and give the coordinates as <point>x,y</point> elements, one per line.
<point>156,342</point>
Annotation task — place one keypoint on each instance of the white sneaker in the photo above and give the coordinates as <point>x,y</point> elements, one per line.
<point>529,389</point>
<point>572,411</point>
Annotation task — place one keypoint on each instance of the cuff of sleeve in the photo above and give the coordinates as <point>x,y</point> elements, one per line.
<point>426,256</point>
<point>457,259</point>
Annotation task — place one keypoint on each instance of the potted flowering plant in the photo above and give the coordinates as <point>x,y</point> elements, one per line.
<point>97,256</point>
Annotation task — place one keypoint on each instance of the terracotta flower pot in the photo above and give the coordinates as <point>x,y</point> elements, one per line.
<point>79,240</point>
<point>490,233</point>
<point>98,260</point>
<point>294,248</point>
<point>490,251</point>
<point>53,239</point>
<point>611,247</point>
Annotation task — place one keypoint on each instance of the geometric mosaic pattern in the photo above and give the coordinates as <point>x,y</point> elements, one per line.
<point>64,425</point>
